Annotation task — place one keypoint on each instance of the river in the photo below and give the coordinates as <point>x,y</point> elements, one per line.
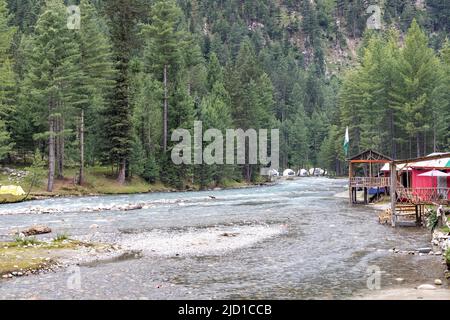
<point>294,240</point>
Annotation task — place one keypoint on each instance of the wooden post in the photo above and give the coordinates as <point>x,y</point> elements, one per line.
<point>366,199</point>
<point>392,190</point>
<point>350,175</point>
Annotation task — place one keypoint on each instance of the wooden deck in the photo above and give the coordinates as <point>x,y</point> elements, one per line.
<point>370,182</point>
<point>423,195</point>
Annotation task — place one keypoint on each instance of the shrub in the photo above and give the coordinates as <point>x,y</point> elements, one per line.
<point>61,237</point>
<point>447,256</point>
<point>26,241</point>
<point>432,220</point>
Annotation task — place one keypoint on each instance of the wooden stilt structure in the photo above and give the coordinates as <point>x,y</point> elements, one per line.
<point>369,181</point>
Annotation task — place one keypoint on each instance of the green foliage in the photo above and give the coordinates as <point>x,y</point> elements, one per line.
<point>7,81</point>
<point>447,256</point>
<point>22,242</point>
<point>432,220</point>
<point>5,141</point>
<point>60,237</point>
<point>393,100</point>
<point>136,67</point>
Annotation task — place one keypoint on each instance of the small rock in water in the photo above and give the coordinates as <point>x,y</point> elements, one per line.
<point>438,253</point>
<point>399,279</point>
<point>438,282</point>
<point>426,287</point>
<point>94,226</point>
<point>424,250</point>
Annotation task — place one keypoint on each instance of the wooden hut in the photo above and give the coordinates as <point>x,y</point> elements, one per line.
<point>364,175</point>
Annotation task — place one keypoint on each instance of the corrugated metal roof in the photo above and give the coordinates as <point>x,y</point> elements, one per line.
<point>443,163</point>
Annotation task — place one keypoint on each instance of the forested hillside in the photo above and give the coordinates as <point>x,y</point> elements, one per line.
<point>112,92</point>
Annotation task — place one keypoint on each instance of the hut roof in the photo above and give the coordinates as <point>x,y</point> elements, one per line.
<point>443,163</point>
<point>370,156</point>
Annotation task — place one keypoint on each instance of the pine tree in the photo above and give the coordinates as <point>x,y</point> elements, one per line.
<point>5,141</point>
<point>215,114</point>
<point>412,96</point>
<point>123,17</point>
<point>7,81</point>
<point>441,103</point>
<point>25,13</point>
<point>53,72</point>
<point>163,49</point>
<point>146,95</point>
<point>98,74</point>
<point>251,92</point>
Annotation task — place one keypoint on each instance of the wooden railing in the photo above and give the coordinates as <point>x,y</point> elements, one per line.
<point>369,182</point>
<point>423,195</point>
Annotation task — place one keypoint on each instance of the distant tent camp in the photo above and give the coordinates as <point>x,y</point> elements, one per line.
<point>316,172</point>
<point>288,173</point>
<point>12,190</point>
<point>303,173</point>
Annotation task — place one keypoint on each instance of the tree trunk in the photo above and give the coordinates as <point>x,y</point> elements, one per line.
<point>418,145</point>
<point>122,171</point>
<point>165,120</point>
<point>425,143</point>
<point>248,173</point>
<point>57,145</point>
<point>81,177</point>
<point>60,147</point>
<point>434,139</point>
<point>410,147</point>
<point>392,129</point>
<point>51,155</point>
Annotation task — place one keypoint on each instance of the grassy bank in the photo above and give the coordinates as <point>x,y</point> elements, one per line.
<point>25,256</point>
<point>98,181</point>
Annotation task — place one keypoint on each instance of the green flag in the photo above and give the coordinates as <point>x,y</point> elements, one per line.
<point>346,142</point>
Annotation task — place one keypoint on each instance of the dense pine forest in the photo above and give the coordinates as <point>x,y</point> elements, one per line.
<point>110,93</point>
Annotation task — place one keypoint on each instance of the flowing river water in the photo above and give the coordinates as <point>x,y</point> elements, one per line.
<point>294,240</point>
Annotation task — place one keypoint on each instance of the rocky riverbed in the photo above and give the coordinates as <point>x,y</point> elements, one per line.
<point>291,241</point>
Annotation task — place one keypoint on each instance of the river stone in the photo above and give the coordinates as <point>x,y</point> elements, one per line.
<point>399,279</point>
<point>426,287</point>
<point>424,250</point>
<point>35,230</point>
<point>438,282</point>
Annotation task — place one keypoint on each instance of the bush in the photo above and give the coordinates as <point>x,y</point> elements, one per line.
<point>26,241</point>
<point>61,237</point>
<point>432,220</point>
<point>447,256</point>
